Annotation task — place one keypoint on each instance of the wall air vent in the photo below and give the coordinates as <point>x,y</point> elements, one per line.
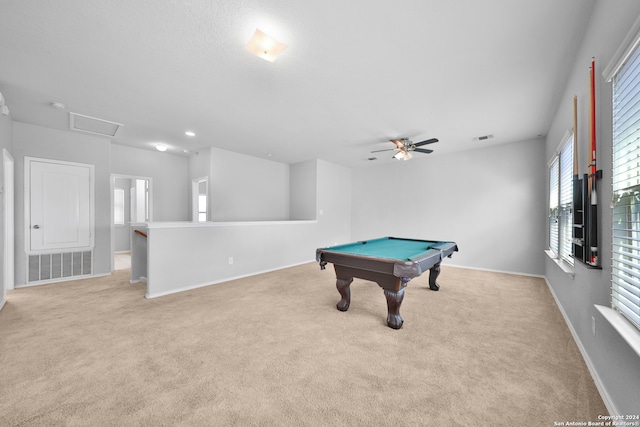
<point>483,137</point>
<point>93,125</point>
<point>58,266</point>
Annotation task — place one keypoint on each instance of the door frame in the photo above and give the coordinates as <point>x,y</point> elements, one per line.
<point>27,204</point>
<point>8,196</point>
<point>112,183</point>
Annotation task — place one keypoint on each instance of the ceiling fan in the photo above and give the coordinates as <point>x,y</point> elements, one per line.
<point>405,148</point>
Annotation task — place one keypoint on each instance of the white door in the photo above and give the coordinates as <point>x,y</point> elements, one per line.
<point>60,205</point>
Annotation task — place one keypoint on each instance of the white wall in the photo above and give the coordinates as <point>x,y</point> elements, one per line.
<point>247,188</point>
<point>303,192</point>
<point>486,200</point>
<point>334,189</point>
<point>616,366</point>
<point>169,175</point>
<point>255,246</point>
<point>36,141</point>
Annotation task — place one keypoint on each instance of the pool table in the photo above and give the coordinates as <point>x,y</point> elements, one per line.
<point>390,262</point>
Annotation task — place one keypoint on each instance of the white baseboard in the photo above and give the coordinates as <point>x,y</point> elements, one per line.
<point>594,374</point>
<point>515,273</point>
<point>226,279</point>
<point>64,279</point>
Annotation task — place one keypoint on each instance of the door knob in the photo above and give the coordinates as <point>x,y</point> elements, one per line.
<point>36,227</point>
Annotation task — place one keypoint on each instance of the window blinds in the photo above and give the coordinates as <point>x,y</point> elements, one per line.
<point>554,177</point>
<point>561,203</point>
<point>625,263</point>
<point>566,201</point>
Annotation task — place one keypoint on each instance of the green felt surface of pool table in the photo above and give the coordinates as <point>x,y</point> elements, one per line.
<point>388,247</point>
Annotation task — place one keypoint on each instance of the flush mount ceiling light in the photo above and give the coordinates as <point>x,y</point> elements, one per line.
<point>264,46</point>
<point>190,133</point>
<point>161,147</point>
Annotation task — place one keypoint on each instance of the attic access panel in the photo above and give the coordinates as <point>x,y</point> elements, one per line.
<point>93,125</point>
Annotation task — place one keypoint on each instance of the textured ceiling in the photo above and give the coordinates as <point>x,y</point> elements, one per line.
<point>355,73</point>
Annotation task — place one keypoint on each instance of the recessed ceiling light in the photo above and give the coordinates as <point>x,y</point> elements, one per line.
<point>264,46</point>
<point>190,133</point>
<point>161,147</point>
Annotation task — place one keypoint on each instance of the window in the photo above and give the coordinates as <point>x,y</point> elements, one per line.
<point>554,180</point>
<point>202,207</point>
<point>199,190</point>
<point>625,264</point>
<point>118,206</point>
<point>561,202</point>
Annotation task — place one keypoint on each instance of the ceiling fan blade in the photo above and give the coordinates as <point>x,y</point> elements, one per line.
<point>423,150</point>
<point>388,149</point>
<point>399,142</point>
<point>428,141</point>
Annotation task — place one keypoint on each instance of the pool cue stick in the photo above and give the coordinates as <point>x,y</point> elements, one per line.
<point>575,137</point>
<point>578,238</point>
<point>593,198</point>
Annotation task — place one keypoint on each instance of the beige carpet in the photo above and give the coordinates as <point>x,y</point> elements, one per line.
<point>488,349</point>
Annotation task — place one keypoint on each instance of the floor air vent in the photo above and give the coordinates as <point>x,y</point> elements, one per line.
<point>93,125</point>
<point>59,265</point>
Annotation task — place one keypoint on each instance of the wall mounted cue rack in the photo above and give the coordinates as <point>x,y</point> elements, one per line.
<point>585,222</point>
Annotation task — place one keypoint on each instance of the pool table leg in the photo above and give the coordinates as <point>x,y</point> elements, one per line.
<point>433,275</point>
<point>394,300</point>
<point>345,293</point>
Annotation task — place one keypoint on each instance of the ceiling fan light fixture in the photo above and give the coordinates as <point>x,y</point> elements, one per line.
<point>403,155</point>
<point>265,46</point>
<point>405,148</point>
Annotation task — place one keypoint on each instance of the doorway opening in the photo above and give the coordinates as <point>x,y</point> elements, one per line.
<point>199,197</point>
<point>131,202</point>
